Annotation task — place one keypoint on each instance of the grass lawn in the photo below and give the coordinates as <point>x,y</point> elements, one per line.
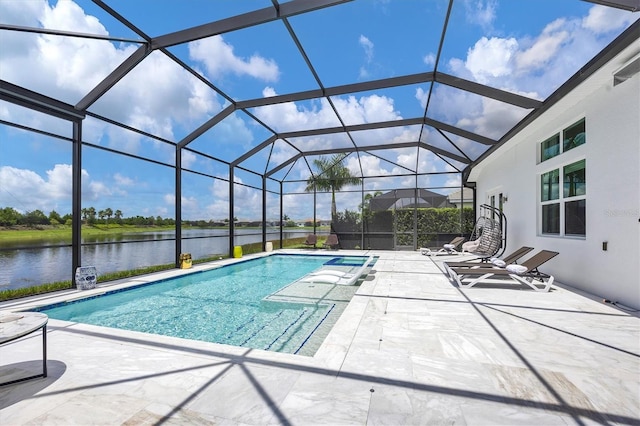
<point>62,233</point>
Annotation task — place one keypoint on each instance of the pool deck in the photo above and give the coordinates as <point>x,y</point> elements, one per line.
<point>410,348</point>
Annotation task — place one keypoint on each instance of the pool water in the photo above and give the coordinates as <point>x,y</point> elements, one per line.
<point>229,305</point>
<point>347,261</point>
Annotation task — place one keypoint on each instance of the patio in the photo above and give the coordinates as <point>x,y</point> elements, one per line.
<point>411,348</point>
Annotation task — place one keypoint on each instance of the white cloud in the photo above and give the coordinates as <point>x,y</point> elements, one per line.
<point>453,181</point>
<point>173,98</point>
<point>67,68</point>
<point>247,201</point>
<point>220,189</point>
<point>481,12</point>
<point>98,189</point>
<point>539,63</point>
<point>190,207</point>
<point>429,59</point>
<point>378,108</point>
<point>371,165</point>
<point>58,181</point>
<point>163,212</point>
<point>63,67</point>
<point>169,198</point>
<point>367,46</point>
<point>496,118</point>
<point>544,48</point>
<point>23,189</point>
<point>28,191</point>
<point>123,180</point>
<point>188,159</point>
<point>491,58</point>
<point>366,109</point>
<point>601,19</point>
<point>290,116</point>
<point>533,66</point>
<point>364,73</point>
<point>219,59</point>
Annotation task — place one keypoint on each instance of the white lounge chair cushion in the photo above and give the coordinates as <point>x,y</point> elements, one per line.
<point>498,262</point>
<point>449,246</point>
<point>321,278</point>
<point>330,279</point>
<point>517,269</point>
<point>470,246</point>
<point>333,272</point>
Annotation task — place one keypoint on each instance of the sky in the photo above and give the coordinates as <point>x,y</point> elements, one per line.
<point>525,47</point>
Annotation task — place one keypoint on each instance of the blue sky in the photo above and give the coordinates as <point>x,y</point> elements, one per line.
<point>526,47</point>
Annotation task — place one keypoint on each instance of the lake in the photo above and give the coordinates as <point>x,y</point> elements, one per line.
<point>29,267</point>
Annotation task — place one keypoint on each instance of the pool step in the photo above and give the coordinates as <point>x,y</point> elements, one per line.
<point>278,330</point>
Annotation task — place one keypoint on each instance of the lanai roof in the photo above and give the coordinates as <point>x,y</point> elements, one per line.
<point>414,109</point>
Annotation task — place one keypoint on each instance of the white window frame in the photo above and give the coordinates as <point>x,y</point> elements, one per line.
<point>561,200</point>
<point>561,136</point>
<point>559,162</point>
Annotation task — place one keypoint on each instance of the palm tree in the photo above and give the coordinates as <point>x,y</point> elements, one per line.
<point>332,175</point>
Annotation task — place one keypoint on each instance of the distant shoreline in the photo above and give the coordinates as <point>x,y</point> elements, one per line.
<point>21,233</point>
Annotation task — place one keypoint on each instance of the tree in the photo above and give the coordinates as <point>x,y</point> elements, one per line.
<point>9,216</point>
<point>118,216</point>
<point>91,215</point>
<point>367,200</point>
<point>55,218</point>
<point>36,217</point>
<point>332,175</point>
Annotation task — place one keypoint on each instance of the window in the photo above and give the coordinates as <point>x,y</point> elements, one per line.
<point>550,186</point>
<point>574,217</point>
<point>564,212</point>
<point>574,179</point>
<point>550,148</point>
<point>575,186</point>
<point>573,136</point>
<point>551,218</point>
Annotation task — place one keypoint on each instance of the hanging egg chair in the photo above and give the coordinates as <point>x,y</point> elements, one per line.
<point>489,236</point>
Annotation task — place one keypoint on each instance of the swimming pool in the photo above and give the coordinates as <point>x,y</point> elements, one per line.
<point>254,303</point>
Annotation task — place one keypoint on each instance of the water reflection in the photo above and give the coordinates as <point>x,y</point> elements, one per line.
<point>34,266</point>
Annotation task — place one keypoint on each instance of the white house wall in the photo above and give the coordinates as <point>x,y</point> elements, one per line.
<point>612,153</point>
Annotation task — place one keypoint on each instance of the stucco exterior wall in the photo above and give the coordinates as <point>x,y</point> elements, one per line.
<point>612,154</point>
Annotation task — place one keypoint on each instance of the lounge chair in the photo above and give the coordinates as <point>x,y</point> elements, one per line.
<point>498,262</point>
<point>331,276</point>
<point>449,248</point>
<point>527,273</point>
<point>312,240</point>
<point>331,241</point>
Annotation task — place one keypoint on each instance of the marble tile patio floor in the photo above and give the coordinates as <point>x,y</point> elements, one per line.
<point>411,348</point>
